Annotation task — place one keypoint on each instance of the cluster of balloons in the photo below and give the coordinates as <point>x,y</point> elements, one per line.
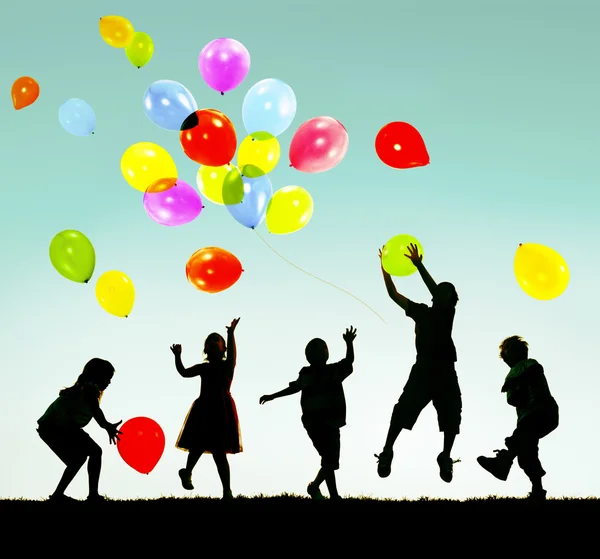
<point>24,92</point>
<point>73,256</point>
<point>141,444</point>
<point>120,34</point>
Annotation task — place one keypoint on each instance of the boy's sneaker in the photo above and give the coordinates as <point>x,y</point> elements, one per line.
<point>61,499</point>
<point>499,466</point>
<point>384,462</point>
<point>446,465</point>
<point>314,491</point>
<point>96,499</point>
<point>186,479</point>
<point>227,496</point>
<point>537,496</point>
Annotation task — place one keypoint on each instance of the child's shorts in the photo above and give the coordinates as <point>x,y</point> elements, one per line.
<point>72,446</point>
<point>326,440</point>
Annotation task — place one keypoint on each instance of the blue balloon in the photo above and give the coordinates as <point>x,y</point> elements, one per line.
<point>77,117</point>
<point>269,106</point>
<point>168,104</point>
<point>257,192</point>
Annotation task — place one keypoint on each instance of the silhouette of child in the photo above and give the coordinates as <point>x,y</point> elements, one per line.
<point>527,390</point>
<point>211,425</point>
<point>323,407</point>
<point>433,376</point>
<point>61,428</point>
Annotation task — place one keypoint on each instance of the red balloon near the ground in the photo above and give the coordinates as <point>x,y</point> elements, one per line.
<point>208,137</point>
<point>212,269</point>
<point>142,443</point>
<point>401,146</point>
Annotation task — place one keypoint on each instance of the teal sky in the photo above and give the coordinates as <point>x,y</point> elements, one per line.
<point>505,95</point>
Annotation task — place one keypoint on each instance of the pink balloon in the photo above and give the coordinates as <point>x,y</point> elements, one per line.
<point>223,64</point>
<point>318,145</point>
<point>172,202</point>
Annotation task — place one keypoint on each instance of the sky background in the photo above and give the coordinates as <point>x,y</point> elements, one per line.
<point>505,95</point>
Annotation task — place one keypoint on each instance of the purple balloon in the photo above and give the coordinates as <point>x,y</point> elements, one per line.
<point>172,205</point>
<point>223,64</point>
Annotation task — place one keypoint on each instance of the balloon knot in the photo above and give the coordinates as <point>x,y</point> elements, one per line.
<point>291,165</point>
<point>86,281</point>
<point>138,69</point>
<point>222,93</point>
<point>243,270</point>
<point>520,244</point>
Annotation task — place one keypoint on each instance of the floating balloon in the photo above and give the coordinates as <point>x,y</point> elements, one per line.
<point>116,31</point>
<point>141,444</point>
<point>318,145</point>
<point>24,92</point>
<point>399,145</point>
<point>144,163</point>
<point>208,137</point>
<point>210,182</point>
<point>269,106</point>
<point>172,205</point>
<point>212,269</point>
<point>540,271</point>
<point>223,64</point>
<point>77,117</point>
<point>289,210</point>
<point>393,257</point>
<point>258,154</point>
<point>115,293</point>
<point>140,50</point>
<point>257,193</point>
<point>73,255</point>
<point>167,104</point>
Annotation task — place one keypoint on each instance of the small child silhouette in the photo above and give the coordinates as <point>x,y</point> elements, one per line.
<point>211,425</point>
<point>323,407</point>
<point>61,427</point>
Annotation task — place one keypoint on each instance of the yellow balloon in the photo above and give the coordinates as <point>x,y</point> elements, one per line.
<point>210,182</point>
<point>258,154</point>
<point>115,293</point>
<point>540,271</point>
<point>392,256</point>
<point>116,31</point>
<point>144,163</point>
<point>140,50</point>
<point>289,210</point>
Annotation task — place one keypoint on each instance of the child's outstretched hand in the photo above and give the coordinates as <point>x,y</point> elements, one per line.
<point>176,349</point>
<point>349,334</point>
<point>414,255</point>
<point>265,398</point>
<point>231,327</point>
<point>113,432</point>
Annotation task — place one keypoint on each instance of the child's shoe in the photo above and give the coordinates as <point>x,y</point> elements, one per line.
<point>227,496</point>
<point>384,463</point>
<point>314,491</point>
<point>446,465</point>
<point>96,499</point>
<point>537,496</point>
<point>186,479</point>
<point>61,499</point>
<point>499,466</point>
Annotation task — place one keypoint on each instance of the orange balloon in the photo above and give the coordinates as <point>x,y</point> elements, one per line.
<point>212,269</point>
<point>24,92</point>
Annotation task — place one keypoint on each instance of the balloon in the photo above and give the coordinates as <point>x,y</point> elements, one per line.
<point>208,137</point>
<point>141,444</point>
<point>223,64</point>
<point>540,271</point>
<point>144,163</point>
<point>140,50</point>
<point>399,145</point>
<point>115,293</point>
<point>289,210</point>
<point>318,145</point>
<point>116,31</point>
<point>73,255</point>
<point>212,269</point>
<point>269,106</point>
<point>24,91</point>
<point>257,192</point>
<point>167,104</point>
<point>172,205</point>
<point>258,154</point>
<point>77,117</point>
<point>392,256</point>
<point>210,182</point>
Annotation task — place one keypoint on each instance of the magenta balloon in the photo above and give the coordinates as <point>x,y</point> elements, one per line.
<point>177,205</point>
<point>318,145</point>
<point>223,64</point>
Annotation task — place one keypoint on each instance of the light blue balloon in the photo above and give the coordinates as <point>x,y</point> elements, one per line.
<point>77,117</point>
<point>269,106</point>
<point>251,211</point>
<point>168,104</point>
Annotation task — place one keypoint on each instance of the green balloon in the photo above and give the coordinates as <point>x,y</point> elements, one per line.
<point>233,188</point>
<point>73,255</point>
<point>393,256</point>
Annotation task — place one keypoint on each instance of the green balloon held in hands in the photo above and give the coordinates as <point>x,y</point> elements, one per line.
<point>73,255</point>
<point>393,256</point>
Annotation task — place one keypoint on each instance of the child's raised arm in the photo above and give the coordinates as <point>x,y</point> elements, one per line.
<point>231,348</point>
<point>399,299</point>
<point>349,336</point>
<point>293,388</point>
<point>185,373</point>
<point>417,260</point>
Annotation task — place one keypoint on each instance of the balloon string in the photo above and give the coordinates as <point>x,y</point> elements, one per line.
<point>313,276</point>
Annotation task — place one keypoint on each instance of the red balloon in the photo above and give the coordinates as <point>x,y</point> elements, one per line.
<point>142,443</point>
<point>399,145</point>
<point>208,137</point>
<point>212,269</point>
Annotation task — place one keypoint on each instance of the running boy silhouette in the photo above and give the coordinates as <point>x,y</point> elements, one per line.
<point>526,389</point>
<point>323,407</point>
<point>433,376</point>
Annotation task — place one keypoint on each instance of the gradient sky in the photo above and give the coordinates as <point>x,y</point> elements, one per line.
<point>505,95</point>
